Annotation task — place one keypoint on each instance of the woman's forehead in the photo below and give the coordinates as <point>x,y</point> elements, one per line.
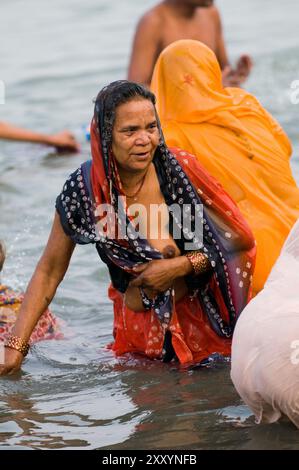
<point>135,109</point>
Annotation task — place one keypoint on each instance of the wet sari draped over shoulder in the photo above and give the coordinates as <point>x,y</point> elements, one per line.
<point>201,323</point>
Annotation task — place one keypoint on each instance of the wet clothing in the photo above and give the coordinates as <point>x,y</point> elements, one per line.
<point>201,324</point>
<point>265,351</point>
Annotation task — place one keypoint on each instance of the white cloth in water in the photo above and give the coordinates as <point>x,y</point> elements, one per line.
<point>265,348</point>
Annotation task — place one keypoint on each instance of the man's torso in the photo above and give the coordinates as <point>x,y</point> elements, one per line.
<point>201,27</point>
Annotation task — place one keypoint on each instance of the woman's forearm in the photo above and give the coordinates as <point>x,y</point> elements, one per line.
<point>198,264</point>
<point>47,277</point>
<point>38,296</point>
<point>183,266</point>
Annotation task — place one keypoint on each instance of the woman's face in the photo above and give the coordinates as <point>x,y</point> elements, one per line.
<point>135,135</point>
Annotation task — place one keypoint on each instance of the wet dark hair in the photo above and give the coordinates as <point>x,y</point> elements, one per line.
<point>112,96</point>
<point>2,255</point>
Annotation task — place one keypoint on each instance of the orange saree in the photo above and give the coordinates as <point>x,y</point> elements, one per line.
<point>234,138</point>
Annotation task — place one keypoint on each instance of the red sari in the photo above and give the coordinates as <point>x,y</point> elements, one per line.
<point>201,324</point>
<point>193,337</point>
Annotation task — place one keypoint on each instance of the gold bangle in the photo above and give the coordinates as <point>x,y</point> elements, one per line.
<point>199,261</point>
<point>14,342</point>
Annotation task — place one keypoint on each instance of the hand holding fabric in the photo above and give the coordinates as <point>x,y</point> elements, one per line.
<point>159,275</point>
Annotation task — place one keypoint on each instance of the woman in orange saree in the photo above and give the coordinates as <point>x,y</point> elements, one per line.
<point>234,138</point>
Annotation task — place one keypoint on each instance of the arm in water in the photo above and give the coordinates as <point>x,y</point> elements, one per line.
<point>62,141</point>
<point>48,274</point>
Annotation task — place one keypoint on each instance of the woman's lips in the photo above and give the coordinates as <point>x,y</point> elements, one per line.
<point>142,156</point>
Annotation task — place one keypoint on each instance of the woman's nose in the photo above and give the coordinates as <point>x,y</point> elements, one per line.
<point>143,138</point>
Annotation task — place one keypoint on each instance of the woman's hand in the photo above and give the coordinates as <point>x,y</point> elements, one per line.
<point>159,275</point>
<point>12,362</point>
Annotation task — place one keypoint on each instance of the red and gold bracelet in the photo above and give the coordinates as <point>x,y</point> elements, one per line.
<point>14,342</point>
<point>199,261</point>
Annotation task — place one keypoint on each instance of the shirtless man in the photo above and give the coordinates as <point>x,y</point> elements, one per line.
<point>172,20</point>
<point>63,141</point>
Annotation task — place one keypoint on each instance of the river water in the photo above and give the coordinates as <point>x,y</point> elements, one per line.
<point>72,393</point>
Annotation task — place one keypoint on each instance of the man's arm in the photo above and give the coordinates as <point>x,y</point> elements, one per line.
<point>63,140</point>
<point>230,76</point>
<point>145,49</point>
